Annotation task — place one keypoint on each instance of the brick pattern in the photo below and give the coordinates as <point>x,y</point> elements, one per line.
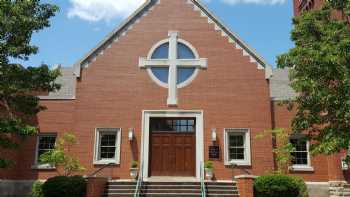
<point>113,92</point>
<point>306,5</point>
<point>245,186</point>
<point>301,6</point>
<point>96,186</point>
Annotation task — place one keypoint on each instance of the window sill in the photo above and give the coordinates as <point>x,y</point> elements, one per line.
<point>43,167</point>
<point>301,169</point>
<point>105,162</point>
<point>238,163</point>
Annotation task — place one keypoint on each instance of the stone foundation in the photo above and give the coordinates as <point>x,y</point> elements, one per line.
<point>9,188</point>
<point>318,189</point>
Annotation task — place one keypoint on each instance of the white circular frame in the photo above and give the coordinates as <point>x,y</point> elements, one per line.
<point>187,81</point>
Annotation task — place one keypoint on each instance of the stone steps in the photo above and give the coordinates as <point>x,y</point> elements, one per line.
<point>172,189</point>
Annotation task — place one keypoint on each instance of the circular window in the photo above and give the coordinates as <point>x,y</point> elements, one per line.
<point>185,74</point>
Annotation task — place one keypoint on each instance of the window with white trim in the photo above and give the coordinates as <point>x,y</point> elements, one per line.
<point>107,146</point>
<point>237,146</point>
<point>301,154</point>
<point>45,143</point>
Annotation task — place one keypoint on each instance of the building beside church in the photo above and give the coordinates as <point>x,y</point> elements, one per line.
<point>306,5</point>
<point>171,88</point>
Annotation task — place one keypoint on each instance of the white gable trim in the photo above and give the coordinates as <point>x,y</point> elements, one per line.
<point>143,11</point>
<point>232,37</point>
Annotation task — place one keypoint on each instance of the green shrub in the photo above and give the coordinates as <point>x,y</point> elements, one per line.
<point>37,189</point>
<point>209,165</point>
<point>278,186</point>
<point>63,186</point>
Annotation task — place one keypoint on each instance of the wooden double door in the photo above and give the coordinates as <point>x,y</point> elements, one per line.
<point>173,147</point>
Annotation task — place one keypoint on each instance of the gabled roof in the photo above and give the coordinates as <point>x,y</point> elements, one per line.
<point>148,6</point>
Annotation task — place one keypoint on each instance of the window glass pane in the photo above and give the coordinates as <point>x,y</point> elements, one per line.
<point>236,153</point>
<point>107,152</point>
<point>46,143</point>
<point>172,125</point>
<point>184,73</point>
<point>162,52</point>
<point>161,73</point>
<point>300,155</point>
<point>184,52</point>
<point>108,140</point>
<point>108,145</point>
<point>236,147</point>
<point>236,140</point>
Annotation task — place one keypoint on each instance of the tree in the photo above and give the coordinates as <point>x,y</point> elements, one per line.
<point>60,158</point>
<point>283,148</point>
<point>18,84</point>
<point>320,74</point>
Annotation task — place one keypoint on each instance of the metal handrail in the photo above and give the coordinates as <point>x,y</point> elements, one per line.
<point>99,170</point>
<point>139,182</point>
<point>203,189</point>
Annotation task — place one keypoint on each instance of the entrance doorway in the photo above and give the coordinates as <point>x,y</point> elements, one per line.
<point>172,146</point>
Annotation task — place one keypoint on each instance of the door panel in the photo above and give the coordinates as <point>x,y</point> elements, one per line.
<point>173,153</point>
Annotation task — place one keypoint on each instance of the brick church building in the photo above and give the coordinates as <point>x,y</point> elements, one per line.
<point>171,88</point>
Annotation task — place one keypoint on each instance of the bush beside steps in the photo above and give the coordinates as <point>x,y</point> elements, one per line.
<point>60,186</point>
<point>279,185</point>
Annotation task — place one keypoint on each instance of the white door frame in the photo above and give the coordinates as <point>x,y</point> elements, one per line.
<point>145,136</point>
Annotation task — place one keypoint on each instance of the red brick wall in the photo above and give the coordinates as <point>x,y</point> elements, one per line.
<point>113,91</point>
<point>305,5</point>
<point>96,186</point>
<point>325,167</point>
<point>245,186</point>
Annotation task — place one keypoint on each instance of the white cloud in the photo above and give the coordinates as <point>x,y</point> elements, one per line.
<point>97,10</point>
<point>266,2</point>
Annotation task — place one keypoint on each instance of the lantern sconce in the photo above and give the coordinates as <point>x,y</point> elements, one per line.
<point>131,134</point>
<point>213,135</point>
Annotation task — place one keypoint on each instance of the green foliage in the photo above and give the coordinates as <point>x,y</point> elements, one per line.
<point>209,165</point>
<point>37,189</point>
<point>320,74</point>
<point>60,157</point>
<point>18,104</point>
<point>339,4</point>
<point>279,185</point>
<point>134,164</point>
<point>283,148</point>
<point>63,186</point>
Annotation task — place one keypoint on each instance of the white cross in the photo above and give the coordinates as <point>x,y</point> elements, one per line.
<point>173,63</point>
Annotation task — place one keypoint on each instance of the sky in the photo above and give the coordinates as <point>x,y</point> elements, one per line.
<point>81,24</point>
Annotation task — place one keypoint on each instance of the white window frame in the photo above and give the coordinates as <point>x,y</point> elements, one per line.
<point>116,160</point>
<point>37,165</point>
<point>247,151</point>
<point>302,167</point>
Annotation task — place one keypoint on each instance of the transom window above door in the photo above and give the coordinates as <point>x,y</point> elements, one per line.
<point>183,125</point>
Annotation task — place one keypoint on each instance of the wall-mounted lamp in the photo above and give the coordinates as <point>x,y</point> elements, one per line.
<point>131,134</point>
<point>213,135</point>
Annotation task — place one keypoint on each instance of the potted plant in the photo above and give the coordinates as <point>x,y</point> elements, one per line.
<point>209,167</point>
<point>133,169</point>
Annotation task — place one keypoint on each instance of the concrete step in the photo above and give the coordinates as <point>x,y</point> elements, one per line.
<point>172,189</point>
